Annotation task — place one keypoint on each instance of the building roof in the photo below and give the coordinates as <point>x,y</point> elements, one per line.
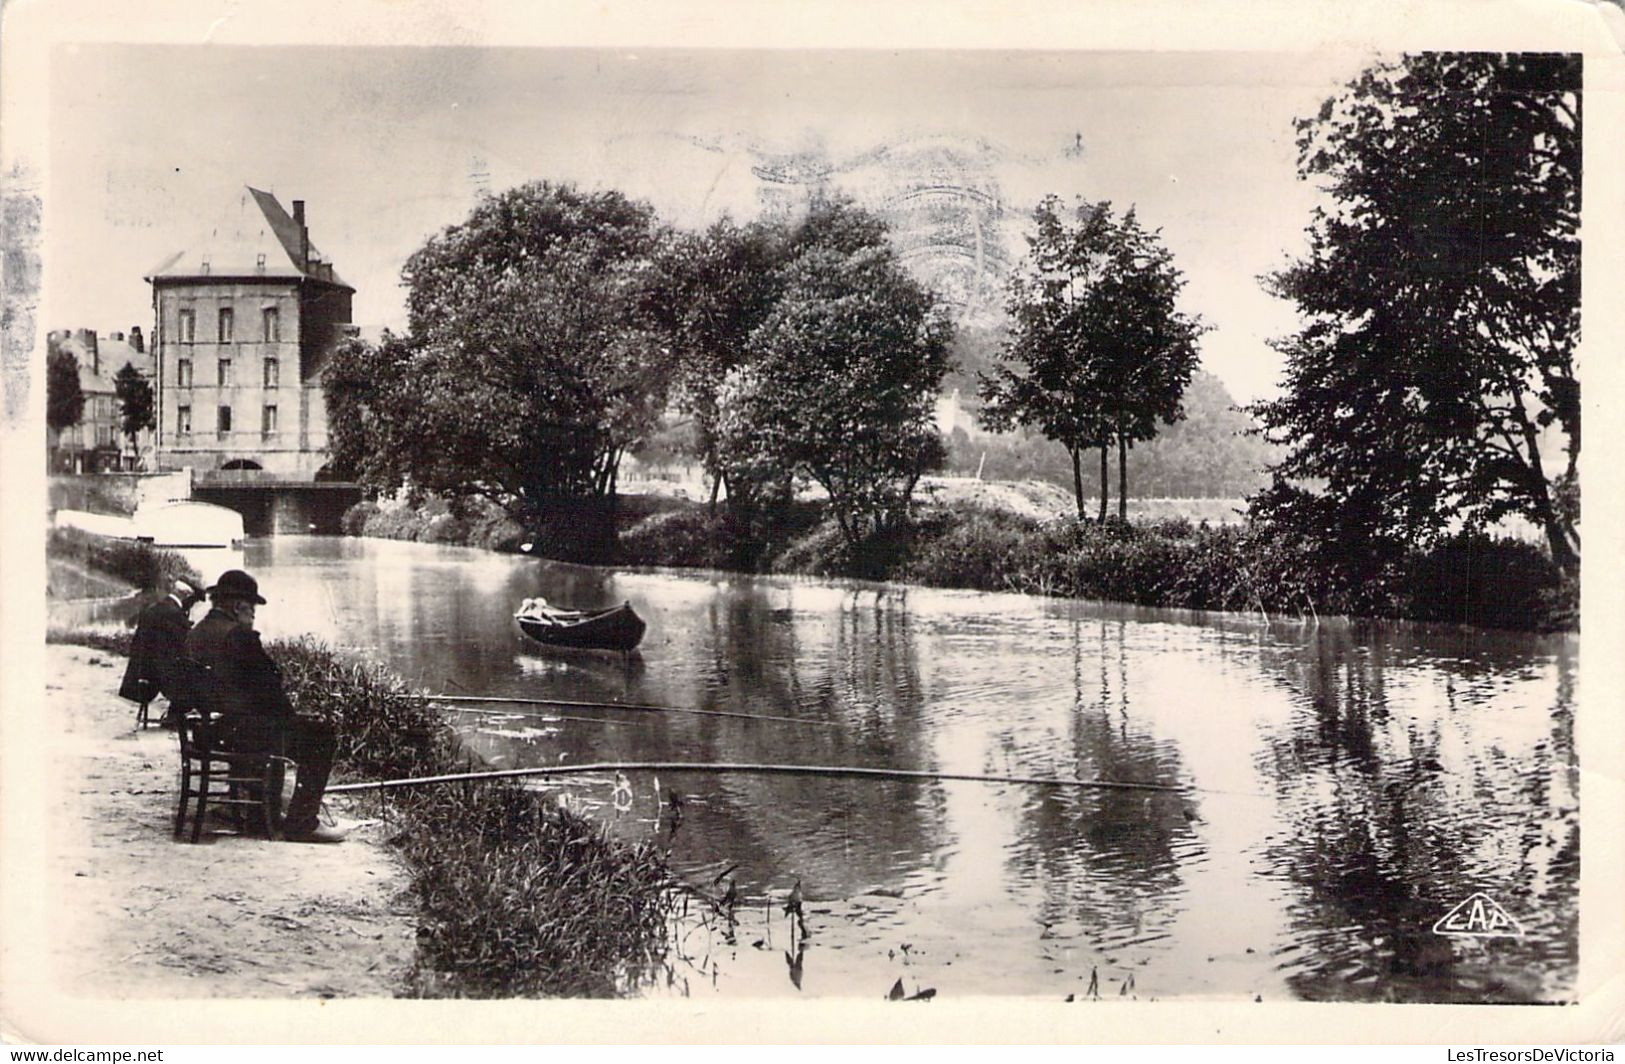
<point>257,238</point>
<point>112,354</point>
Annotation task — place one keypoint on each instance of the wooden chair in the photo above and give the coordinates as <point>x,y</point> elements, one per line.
<point>246,783</point>
<point>249,784</point>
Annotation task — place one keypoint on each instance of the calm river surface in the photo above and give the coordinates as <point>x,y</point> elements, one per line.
<point>1350,783</point>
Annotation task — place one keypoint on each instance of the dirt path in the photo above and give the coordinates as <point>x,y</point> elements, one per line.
<point>136,914</point>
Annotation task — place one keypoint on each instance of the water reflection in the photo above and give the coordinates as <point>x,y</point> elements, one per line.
<point>1108,860</point>
<point>1346,785</point>
<point>1408,782</point>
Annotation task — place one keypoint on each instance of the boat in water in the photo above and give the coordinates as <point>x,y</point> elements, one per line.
<point>616,628</point>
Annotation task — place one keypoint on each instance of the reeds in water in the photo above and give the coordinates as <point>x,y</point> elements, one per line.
<point>518,897</point>
<point>522,898</point>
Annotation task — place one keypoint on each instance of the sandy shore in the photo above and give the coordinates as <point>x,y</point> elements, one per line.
<point>135,914</point>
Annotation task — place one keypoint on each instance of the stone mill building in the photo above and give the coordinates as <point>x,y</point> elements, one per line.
<point>244,324</point>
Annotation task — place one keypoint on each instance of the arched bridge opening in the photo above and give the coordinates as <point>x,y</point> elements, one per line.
<point>273,505</point>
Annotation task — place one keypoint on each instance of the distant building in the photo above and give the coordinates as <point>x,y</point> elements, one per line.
<point>98,443</point>
<point>244,326</point>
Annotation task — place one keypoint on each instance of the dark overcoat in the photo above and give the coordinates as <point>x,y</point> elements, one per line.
<point>158,644</point>
<point>246,684</point>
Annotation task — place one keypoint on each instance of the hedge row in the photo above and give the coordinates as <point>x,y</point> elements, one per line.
<point>1472,579</point>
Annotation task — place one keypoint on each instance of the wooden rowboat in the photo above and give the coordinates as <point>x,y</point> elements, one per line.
<point>617,628</point>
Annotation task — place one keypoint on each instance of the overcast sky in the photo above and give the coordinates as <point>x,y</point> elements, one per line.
<point>150,145</point>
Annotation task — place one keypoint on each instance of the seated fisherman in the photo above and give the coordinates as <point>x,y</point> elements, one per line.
<point>160,642</point>
<point>256,711</point>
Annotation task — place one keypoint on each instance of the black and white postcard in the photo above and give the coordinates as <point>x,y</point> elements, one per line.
<point>802,522</point>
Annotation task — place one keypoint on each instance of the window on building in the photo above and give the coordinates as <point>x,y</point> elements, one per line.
<point>270,327</point>
<point>183,373</point>
<point>225,373</point>
<point>268,420</point>
<point>227,325</point>
<point>104,436</point>
<point>273,373</point>
<point>225,420</point>
<point>188,326</point>
<point>183,420</point>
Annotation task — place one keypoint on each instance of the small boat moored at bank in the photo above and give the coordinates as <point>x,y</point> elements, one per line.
<point>616,628</point>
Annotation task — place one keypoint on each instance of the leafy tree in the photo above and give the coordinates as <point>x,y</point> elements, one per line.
<point>1440,298</point>
<point>724,284</point>
<point>840,384</point>
<point>136,409</point>
<point>535,356</point>
<point>974,353</point>
<point>366,436</point>
<point>64,401</point>
<point>1213,452</point>
<point>1098,354</point>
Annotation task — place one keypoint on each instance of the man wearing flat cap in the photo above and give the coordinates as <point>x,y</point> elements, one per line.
<point>158,643</point>
<point>256,712</point>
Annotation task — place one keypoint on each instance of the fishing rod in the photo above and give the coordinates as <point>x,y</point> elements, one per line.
<point>767,769</point>
<point>630,707</point>
<point>547,718</point>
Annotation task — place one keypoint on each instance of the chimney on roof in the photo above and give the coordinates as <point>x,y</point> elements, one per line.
<point>304,234</point>
<point>136,341</point>
<point>87,337</point>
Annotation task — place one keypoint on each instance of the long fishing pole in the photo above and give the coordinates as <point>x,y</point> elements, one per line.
<point>769,769</point>
<point>628,706</point>
<point>547,718</point>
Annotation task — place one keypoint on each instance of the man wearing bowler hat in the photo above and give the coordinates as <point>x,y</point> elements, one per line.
<point>256,712</point>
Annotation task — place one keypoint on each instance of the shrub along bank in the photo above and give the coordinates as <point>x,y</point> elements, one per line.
<point>1473,579</point>
<point>482,524</point>
<point>476,524</point>
<point>131,561</point>
<point>517,896</point>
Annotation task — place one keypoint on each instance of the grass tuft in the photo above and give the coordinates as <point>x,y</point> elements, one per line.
<point>521,897</point>
<point>518,897</point>
<point>109,640</point>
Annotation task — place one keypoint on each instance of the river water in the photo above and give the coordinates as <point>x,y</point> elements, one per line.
<point>1349,784</point>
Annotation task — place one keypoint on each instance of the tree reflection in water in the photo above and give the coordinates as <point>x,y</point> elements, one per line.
<point>1352,783</point>
<point>1398,804</point>
<point>1108,861</point>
